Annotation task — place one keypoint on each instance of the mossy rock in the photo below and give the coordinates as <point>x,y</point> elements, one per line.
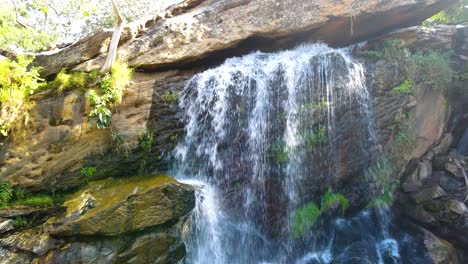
<point>116,206</point>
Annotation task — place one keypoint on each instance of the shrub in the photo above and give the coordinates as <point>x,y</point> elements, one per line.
<point>381,176</point>
<point>17,82</point>
<point>37,200</point>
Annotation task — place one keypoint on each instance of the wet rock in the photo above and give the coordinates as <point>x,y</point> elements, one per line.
<point>31,211</point>
<point>116,206</point>
<point>36,241</point>
<point>6,225</point>
<point>439,250</point>
<point>450,183</point>
<point>454,166</point>
<point>457,207</point>
<point>10,257</point>
<point>428,194</point>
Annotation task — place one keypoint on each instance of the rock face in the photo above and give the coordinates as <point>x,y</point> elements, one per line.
<point>128,220</point>
<point>113,207</point>
<point>211,26</point>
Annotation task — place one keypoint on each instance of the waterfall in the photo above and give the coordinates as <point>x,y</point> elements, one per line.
<point>264,133</point>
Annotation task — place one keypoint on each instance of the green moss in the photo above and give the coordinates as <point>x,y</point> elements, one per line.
<point>381,175</point>
<point>405,87</point>
<point>304,218</point>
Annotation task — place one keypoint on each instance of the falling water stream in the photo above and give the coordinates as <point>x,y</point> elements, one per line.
<point>264,133</point>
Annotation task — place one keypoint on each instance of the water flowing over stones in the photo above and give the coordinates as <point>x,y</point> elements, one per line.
<point>263,133</point>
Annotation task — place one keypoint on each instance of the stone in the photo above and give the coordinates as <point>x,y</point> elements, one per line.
<point>36,241</point>
<point>124,205</point>
<point>7,256</point>
<point>29,211</point>
<point>426,194</point>
<point>439,250</point>
<point>6,225</point>
<point>209,27</point>
<point>457,207</point>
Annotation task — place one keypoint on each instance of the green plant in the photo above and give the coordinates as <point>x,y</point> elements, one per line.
<point>405,87</point>
<point>100,109</point>
<point>88,173</point>
<point>330,199</point>
<point>457,13</point>
<point>145,140</point>
<point>22,222</point>
<point>170,97</point>
<point>111,88</point>
<point>314,137</point>
<point>6,193</point>
<point>119,143</point>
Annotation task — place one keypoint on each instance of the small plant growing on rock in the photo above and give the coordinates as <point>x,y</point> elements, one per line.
<point>145,140</point>
<point>170,97</point>
<point>22,222</point>
<point>88,173</point>
<point>313,138</point>
<point>405,87</point>
<point>6,193</point>
<point>330,199</point>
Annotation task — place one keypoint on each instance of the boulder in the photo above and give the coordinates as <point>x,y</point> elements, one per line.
<point>439,250</point>
<point>215,27</point>
<point>117,206</point>
<point>35,241</point>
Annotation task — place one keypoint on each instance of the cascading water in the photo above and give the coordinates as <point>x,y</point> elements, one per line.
<point>264,133</point>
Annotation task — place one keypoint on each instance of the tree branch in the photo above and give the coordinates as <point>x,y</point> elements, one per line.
<point>119,24</point>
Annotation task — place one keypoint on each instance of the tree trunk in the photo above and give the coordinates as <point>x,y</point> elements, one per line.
<point>119,24</point>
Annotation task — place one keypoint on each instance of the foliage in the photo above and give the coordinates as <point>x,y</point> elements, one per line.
<point>13,36</point>
<point>111,90</point>
<point>22,222</point>
<point>314,138</point>
<point>405,87</point>
<point>392,50</point>
<point>119,143</point>
<point>21,193</point>
<point>330,199</point>
<point>88,173</point>
<point>433,68</point>
<point>44,21</point>
<point>16,84</point>
<point>304,217</point>
<point>68,81</point>
<point>170,97</point>
<point>455,14</point>
<point>145,140</point>
<point>6,193</point>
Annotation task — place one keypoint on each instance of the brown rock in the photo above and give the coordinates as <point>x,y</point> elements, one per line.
<point>440,251</point>
<point>117,206</point>
<point>220,25</point>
